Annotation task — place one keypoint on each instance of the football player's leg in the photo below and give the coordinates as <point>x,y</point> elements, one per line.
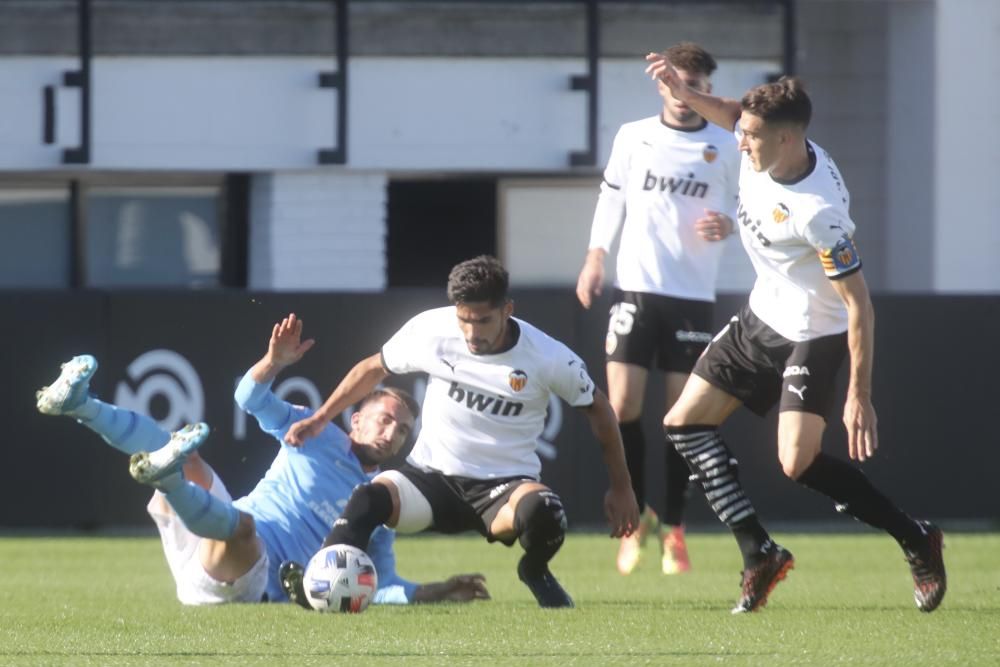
<point>228,559</point>
<point>799,435</point>
<point>535,514</point>
<point>676,483</point>
<point>202,513</point>
<point>691,427</point>
<point>799,438</point>
<point>369,506</point>
<point>626,386</point>
<point>69,395</point>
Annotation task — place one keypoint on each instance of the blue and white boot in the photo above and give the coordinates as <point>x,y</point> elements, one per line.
<point>153,467</point>
<point>71,388</point>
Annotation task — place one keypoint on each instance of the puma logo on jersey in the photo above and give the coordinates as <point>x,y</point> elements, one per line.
<point>685,185</point>
<point>801,393</point>
<point>795,370</point>
<point>448,364</point>
<point>495,405</point>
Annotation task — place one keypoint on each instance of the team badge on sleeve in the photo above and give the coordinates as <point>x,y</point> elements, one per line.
<point>841,259</point>
<point>517,379</point>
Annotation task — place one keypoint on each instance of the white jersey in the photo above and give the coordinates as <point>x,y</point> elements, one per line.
<point>483,413</point>
<point>799,237</point>
<point>658,182</point>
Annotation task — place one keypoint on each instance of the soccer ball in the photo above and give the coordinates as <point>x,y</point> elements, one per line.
<point>340,578</point>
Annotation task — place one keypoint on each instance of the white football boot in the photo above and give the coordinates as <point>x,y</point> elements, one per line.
<point>70,389</point>
<point>152,467</point>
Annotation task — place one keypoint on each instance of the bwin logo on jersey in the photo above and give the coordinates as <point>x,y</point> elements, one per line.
<point>752,225</point>
<point>517,379</point>
<point>685,185</point>
<point>796,370</point>
<point>495,405</point>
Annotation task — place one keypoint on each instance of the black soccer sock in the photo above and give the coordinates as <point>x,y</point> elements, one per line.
<point>369,506</point>
<point>855,495</point>
<point>715,469</point>
<point>676,473</point>
<point>635,458</point>
<point>540,523</point>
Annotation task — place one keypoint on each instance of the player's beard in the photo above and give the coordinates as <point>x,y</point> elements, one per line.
<point>366,455</point>
<point>682,117</point>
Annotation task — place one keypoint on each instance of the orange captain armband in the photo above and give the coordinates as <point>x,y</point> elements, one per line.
<point>841,260</point>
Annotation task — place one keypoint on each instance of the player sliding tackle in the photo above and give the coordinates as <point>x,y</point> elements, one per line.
<point>220,550</point>
<point>809,308</point>
<point>474,465</point>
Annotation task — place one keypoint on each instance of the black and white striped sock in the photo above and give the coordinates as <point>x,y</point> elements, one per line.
<point>715,469</point>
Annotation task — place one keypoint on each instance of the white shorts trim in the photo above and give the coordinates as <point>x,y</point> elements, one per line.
<point>180,547</point>
<point>415,512</point>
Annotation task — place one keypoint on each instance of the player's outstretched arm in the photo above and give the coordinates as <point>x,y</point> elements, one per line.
<point>460,588</point>
<point>283,349</point>
<point>357,384</point>
<point>722,111</point>
<point>859,413</point>
<point>620,506</point>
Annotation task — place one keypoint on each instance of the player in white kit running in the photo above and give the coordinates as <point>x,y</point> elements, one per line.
<point>670,189</point>
<point>474,465</point>
<point>809,308</point>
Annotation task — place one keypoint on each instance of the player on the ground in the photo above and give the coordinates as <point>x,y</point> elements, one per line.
<point>474,465</point>
<point>670,187</point>
<point>809,308</point>
<point>220,550</point>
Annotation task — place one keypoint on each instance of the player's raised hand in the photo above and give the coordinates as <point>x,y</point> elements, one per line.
<point>862,427</point>
<point>286,345</point>
<point>660,67</point>
<point>714,226</point>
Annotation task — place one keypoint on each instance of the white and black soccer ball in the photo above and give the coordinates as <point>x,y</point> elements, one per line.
<point>340,578</point>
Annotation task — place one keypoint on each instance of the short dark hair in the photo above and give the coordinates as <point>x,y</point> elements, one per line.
<point>401,395</point>
<point>690,57</point>
<point>479,279</point>
<point>784,101</point>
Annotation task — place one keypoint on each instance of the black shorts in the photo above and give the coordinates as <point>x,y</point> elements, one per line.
<point>460,504</point>
<point>759,366</point>
<point>646,328</point>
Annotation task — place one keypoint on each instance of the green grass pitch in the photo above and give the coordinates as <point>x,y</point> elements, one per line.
<point>110,601</point>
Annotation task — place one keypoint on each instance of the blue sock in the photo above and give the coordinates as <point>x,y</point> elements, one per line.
<point>123,429</point>
<point>202,513</point>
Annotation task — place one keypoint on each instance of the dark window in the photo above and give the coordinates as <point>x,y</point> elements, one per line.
<point>435,224</point>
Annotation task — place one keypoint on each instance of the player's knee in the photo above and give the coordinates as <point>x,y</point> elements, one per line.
<point>674,418</point>
<point>540,515</point>
<point>794,463</point>
<point>373,501</point>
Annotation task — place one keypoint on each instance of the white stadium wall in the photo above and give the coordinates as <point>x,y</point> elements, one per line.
<point>966,144</point>
<point>904,93</point>
<point>264,114</point>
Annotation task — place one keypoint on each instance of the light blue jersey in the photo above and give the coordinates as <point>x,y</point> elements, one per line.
<point>305,490</point>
